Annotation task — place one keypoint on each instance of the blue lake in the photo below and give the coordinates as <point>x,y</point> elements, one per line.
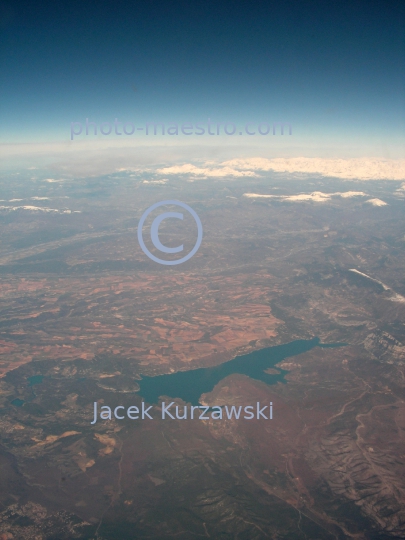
<point>35,379</point>
<point>32,381</point>
<point>18,402</point>
<point>190,385</point>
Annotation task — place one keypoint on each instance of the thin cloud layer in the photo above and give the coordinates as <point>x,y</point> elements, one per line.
<point>205,172</point>
<point>316,196</point>
<point>38,209</point>
<point>91,159</point>
<point>360,168</point>
<point>376,202</point>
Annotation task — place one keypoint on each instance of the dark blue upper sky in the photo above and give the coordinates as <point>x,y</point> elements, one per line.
<point>333,68</point>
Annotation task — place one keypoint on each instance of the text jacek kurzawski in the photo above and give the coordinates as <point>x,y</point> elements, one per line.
<point>171,411</point>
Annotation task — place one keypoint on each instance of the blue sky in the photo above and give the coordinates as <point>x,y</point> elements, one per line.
<point>334,70</point>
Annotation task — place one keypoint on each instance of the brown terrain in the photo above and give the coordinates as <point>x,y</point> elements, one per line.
<point>91,316</point>
<point>199,320</point>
